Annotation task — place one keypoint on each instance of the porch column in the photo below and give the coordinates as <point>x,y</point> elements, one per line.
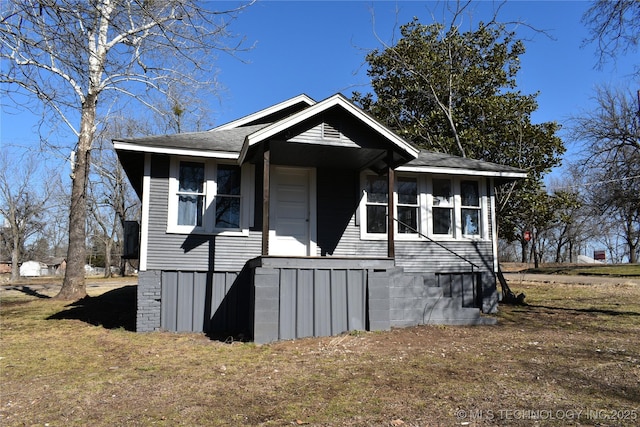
<point>265,199</point>
<point>391,245</point>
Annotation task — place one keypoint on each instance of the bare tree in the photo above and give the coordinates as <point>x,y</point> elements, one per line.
<point>617,197</point>
<point>610,127</point>
<point>575,223</point>
<point>610,134</point>
<point>57,224</point>
<point>21,205</point>
<point>111,199</point>
<point>70,54</point>
<point>613,26</point>
<point>182,109</point>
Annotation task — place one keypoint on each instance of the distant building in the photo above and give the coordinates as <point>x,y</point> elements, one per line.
<point>33,269</point>
<point>5,267</point>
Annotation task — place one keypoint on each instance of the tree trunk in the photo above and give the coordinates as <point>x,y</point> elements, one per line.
<point>534,251</point>
<point>15,257</point>
<point>570,251</point>
<point>559,250</point>
<point>123,267</point>
<point>73,286</point>
<point>107,258</point>
<point>523,246</point>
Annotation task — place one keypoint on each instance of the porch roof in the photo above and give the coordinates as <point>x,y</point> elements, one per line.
<point>401,149</point>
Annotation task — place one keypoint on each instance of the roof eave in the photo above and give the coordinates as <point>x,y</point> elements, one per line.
<point>460,171</point>
<point>153,149</point>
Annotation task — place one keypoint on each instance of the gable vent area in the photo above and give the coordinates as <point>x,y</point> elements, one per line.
<point>330,132</point>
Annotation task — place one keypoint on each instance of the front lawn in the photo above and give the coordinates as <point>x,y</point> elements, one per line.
<point>572,356</point>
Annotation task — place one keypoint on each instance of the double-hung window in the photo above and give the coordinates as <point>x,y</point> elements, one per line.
<point>377,190</point>
<point>443,204</point>
<point>408,206</point>
<point>207,197</point>
<point>470,208</point>
<point>191,194</point>
<point>228,197</point>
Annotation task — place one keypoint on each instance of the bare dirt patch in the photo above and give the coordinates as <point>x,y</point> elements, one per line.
<point>570,357</point>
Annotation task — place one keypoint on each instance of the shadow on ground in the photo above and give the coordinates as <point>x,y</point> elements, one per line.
<point>586,310</point>
<point>28,290</point>
<point>112,310</point>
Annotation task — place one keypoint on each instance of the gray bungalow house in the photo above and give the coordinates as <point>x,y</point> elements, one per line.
<point>310,219</point>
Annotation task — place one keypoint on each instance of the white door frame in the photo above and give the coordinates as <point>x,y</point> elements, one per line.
<point>312,245</point>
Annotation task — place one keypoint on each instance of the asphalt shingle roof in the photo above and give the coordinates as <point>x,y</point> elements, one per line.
<point>229,140</point>
<point>441,160</point>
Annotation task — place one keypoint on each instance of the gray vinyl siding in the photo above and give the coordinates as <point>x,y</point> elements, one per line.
<point>167,251</point>
<point>338,195</point>
<point>337,187</point>
<point>419,256</point>
<point>338,234</point>
<point>429,256</point>
<point>232,252</point>
<point>170,251</point>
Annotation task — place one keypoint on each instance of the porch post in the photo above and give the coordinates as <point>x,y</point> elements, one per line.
<point>391,246</point>
<point>265,200</point>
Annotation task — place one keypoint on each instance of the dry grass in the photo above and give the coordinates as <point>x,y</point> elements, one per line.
<point>611,270</point>
<point>571,357</point>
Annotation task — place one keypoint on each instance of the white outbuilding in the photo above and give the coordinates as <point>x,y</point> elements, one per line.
<point>32,269</point>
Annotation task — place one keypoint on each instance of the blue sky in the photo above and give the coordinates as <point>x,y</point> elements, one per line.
<point>318,48</point>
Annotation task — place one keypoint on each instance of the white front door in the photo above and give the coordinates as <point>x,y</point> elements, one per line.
<point>292,211</point>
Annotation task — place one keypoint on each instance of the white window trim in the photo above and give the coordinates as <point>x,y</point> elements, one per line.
<point>482,204</point>
<point>364,235</point>
<point>452,206</point>
<point>210,190</point>
<point>425,212</point>
<point>396,198</point>
<point>491,202</point>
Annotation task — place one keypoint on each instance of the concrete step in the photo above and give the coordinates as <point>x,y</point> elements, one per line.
<point>481,320</point>
<point>449,311</point>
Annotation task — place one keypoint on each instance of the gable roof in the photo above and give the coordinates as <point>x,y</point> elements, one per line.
<point>337,100</point>
<point>270,114</point>
<point>233,141</point>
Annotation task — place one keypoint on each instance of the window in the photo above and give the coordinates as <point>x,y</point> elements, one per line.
<point>408,206</point>
<point>376,189</point>
<point>435,207</point>
<point>442,207</point>
<point>191,194</point>
<point>228,197</point>
<point>470,208</point>
<point>207,197</point>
